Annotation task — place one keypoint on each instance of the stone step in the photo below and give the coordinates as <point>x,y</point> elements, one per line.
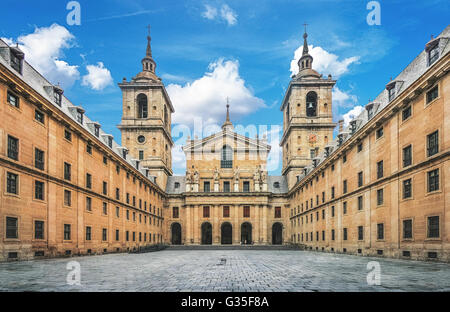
<point>233,247</point>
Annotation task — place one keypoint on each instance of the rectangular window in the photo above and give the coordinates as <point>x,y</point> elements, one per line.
<point>13,148</point>
<point>39,159</point>
<point>332,192</point>
<point>128,198</point>
<point>407,156</point>
<point>432,94</point>
<point>12,183</point>
<point>433,143</point>
<point>246,186</point>
<point>205,211</point>
<point>360,232</point>
<point>344,207</point>
<point>39,190</point>
<point>88,233</point>
<point>127,236</point>
<point>13,99</point>
<point>104,235</point>
<point>345,234</point>
<point>332,235</point>
<point>206,187</point>
<point>67,171</point>
<point>323,214</point>
<point>379,133</point>
<point>433,180</point>
<point>277,212</point>
<point>105,209</point>
<point>88,204</point>
<point>141,155</point>
<point>105,188</point>
<point>406,113</point>
<point>12,227</point>
<point>16,61</point>
<point>175,212</point>
<point>433,54</point>
<point>246,211</point>
<point>39,116</point>
<point>332,211</point>
<point>67,198</point>
<point>117,193</point>
<point>117,212</point>
<point>226,211</point>
<point>380,231</point>
<point>89,148</point>
<point>344,158</point>
<point>38,229</point>
<point>360,203</point>
<point>380,169</point>
<point>391,93</point>
<point>360,179</point>
<point>407,189</point>
<point>226,186</point>
<point>67,135</point>
<point>105,160</point>
<point>344,186</point>
<point>380,198</point>
<point>57,97</point>
<point>66,231</point>
<point>360,147</point>
<point>407,229</point>
<point>88,181</point>
<point>117,235</point>
<point>433,227</point>
<point>323,197</point>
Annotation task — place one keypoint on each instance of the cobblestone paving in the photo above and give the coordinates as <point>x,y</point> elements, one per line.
<point>241,270</point>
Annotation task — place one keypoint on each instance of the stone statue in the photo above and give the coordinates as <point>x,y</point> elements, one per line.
<point>263,177</point>
<point>216,175</point>
<point>256,176</point>
<point>196,177</point>
<point>188,176</point>
<point>236,174</point>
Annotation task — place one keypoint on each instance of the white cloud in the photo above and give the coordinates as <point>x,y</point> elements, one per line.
<point>44,50</point>
<point>324,62</point>
<point>210,13</point>
<point>226,14</point>
<point>352,114</point>
<point>343,99</point>
<point>205,98</point>
<point>98,77</point>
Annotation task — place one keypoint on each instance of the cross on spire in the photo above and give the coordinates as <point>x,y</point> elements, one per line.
<point>148,27</point>
<point>305,27</point>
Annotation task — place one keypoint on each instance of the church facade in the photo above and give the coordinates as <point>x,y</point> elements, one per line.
<point>380,188</point>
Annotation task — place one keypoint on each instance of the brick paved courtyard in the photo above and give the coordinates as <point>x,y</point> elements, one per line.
<point>224,270</point>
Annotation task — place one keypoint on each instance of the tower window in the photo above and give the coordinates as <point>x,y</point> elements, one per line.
<point>311,104</point>
<point>142,106</point>
<point>433,54</point>
<point>227,157</point>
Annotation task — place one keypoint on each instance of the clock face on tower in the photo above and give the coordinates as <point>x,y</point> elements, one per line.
<point>312,138</point>
<point>141,139</point>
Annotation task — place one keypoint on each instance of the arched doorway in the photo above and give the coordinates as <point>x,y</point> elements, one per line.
<point>226,234</point>
<point>246,233</point>
<point>206,233</point>
<point>277,233</point>
<point>176,234</point>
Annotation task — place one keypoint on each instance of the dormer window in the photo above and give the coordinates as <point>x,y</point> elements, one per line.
<point>391,93</point>
<point>177,185</point>
<point>79,115</point>
<point>110,140</point>
<point>97,130</point>
<point>433,52</point>
<point>16,58</point>
<point>277,184</point>
<point>57,95</point>
<point>137,164</point>
<point>124,153</point>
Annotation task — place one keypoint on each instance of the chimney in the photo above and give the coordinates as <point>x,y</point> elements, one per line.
<point>341,125</point>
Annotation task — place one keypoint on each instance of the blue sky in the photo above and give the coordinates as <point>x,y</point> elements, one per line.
<point>208,50</point>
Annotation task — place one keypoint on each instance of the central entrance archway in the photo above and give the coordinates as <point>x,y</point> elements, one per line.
<point>176,233</point>
<point>226,234</point>
<point>206,233</point>
<point>277,233</point>
<point>246,233</point>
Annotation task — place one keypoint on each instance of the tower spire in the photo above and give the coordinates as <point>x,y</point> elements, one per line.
<point>227,123</point>
<point>305,42</point>
<point>149,48</point>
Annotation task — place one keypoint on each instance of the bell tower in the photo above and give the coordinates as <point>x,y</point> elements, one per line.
<point>307,117</point>
<point>146,120</point>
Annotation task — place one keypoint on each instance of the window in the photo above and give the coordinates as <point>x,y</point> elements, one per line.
<point>12,227</point>
<point>16,60</point>
<point>311,104</point>
<point>277,212</point>
<point>323,197</point>
<point>79,116</point>
<point>206,187</point>
<point>433,143</point>
<point>332,192</point>
<point>406,113</point>
<point>141,155</point>
<point>407,189</point>
<point>96,130</point>
<point>433,227</point>
<point>432,94</point>
<point>380,197</point>
<point>105,189</point>
<point>227,157</point>
<point>226,186</point>
<point>360,232</point>
<point>360,203</point>
<point>246,211</point>
<point>89,148</point>
<point>332,211</point>
<point>39,159</point>
<point>142,106</point>
<point>57,96</point>
<point>13,148</point>
<point>175,212</point>
<point>38,229</point>
<point>246,186</point>
<point>88,181</point>
<point>226,211</point>
<point>127,235</point>
<point>12,183</point>
<point>117,212</point>
<point>128,215</point>
<point>380,231</point>
<point>360,147</point>
<point>379,169</point>
<point>177,185</point>
<point>39,190</point>
<point>433,180</point>
<point>332,235</point>
<point>105,160</point>
<point>117,193</point>
<point>128,198</point>
<point>105,235</point>
<point>379,133</point>
<point>344,158</point>
<point>391,92</point>
<point>312,153</point>
<point>407,229</point>
<point>88,204</point>
<point>344,186</point>
<point>66,231</point>
<point>205,211</point>
<point>39,116</point>
<point>67,135</point>
<point>407,156</point>
<point>67,198</point>
<point>117,235</point>
<point>360,179</point>
<point>345,234</point>
<point>344,207</point>
<point>12,99</point>
<point>433,54</point>
<point>105,209</point>
<point>88,233</point>
<point>67,171</point>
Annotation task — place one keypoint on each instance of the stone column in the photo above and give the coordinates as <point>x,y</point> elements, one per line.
<point>236,186</point>
<point>187,238</point>
<point>264,227</point>
<point>236,226</point>
<point>195,226</point>
<point>216,230</point>
<point>257,236</point>
<point>216,186</point>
